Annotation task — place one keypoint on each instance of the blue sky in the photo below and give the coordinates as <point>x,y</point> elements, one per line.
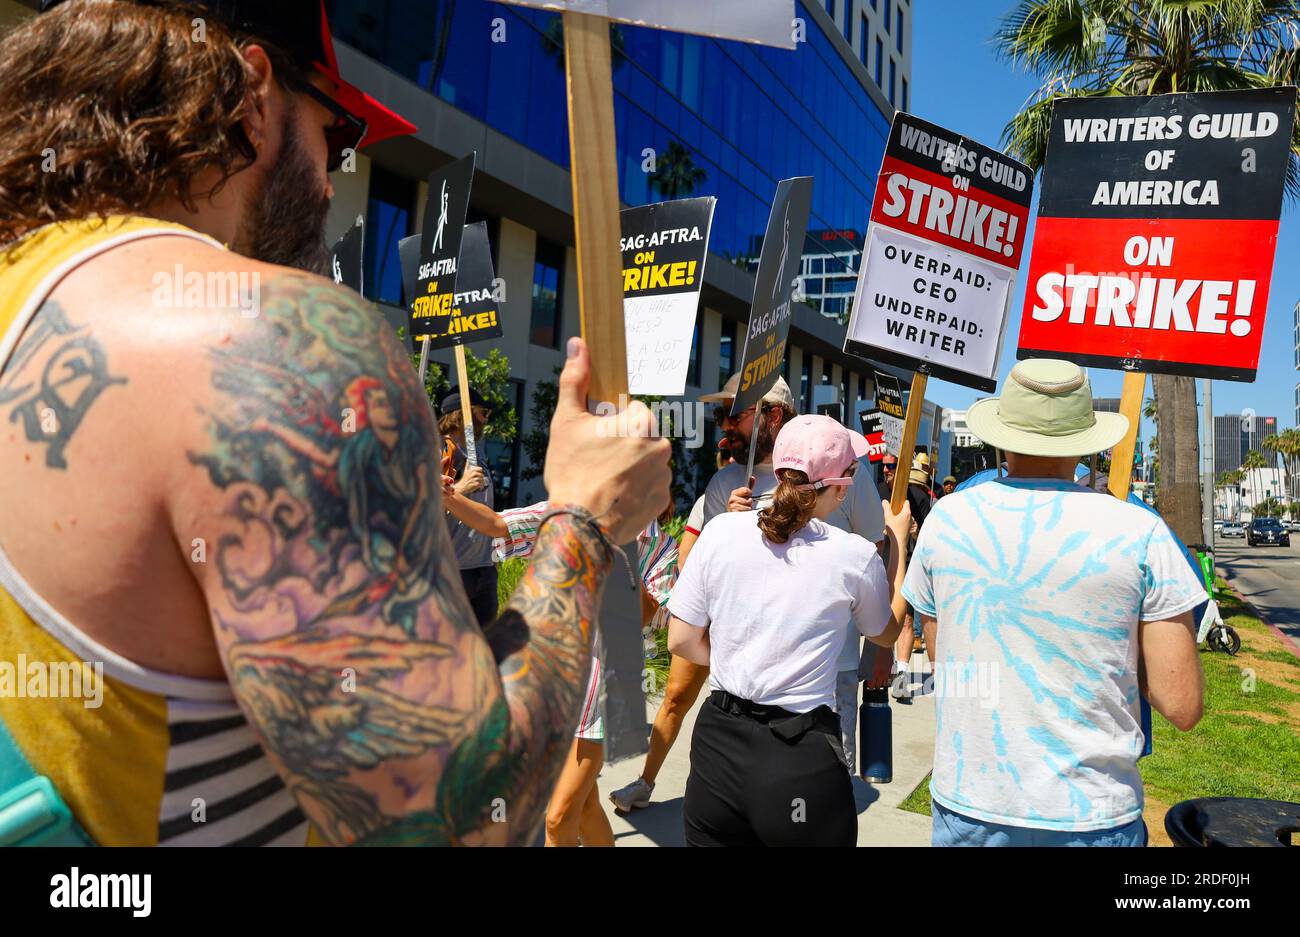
<point>959,82</point>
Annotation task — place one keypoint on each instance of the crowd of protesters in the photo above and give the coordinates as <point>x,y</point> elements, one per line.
<point>329,553</point>
<point>1035,585</point>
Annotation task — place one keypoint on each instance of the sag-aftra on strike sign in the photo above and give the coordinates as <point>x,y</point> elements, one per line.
<point>1156,231</point>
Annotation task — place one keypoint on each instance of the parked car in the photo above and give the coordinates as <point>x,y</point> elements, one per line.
<point>1267,530</point>
<point>1233,529</point>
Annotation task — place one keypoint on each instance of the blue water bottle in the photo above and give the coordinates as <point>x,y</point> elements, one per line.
<point>875,737</point>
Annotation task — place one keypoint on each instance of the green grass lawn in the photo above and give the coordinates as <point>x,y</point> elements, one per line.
<point>1248,742</point>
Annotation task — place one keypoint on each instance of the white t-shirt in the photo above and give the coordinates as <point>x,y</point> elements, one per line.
<point>730,477</point>
<point>695,520</point>
<point>1038,586</point>
<point>776,611</point>
<point>860,513</point>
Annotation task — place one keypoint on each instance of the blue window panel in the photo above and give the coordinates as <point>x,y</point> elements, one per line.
<point>670,62</point>
<point>692,53</point>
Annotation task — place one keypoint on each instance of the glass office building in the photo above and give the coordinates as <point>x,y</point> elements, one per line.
<point>745,116</point>
<point>694,116</point>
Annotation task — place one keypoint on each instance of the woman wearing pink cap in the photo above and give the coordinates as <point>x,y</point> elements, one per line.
<point>763,604</point>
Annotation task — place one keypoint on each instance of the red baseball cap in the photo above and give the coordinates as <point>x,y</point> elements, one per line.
<point>300,29</point>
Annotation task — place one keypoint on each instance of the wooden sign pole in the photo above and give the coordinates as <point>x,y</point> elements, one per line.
<point>1121,457</point>
<point>424,359</point>
<point>915,404</point>
<point>878,662</point>
<point>594,171</point>
<point>466,411</point>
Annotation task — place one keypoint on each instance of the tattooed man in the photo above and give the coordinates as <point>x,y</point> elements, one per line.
<point>218,485</point>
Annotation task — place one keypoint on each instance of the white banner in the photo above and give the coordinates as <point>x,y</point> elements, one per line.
<point>767,22</point>
<point>931,303</point>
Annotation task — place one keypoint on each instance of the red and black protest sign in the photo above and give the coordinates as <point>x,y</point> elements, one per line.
<point>779,265</point>
<point>444,222</point>
<point>947,230</point>
<point>1156,232</point>
<point>345,256</point>
<point>873,428</point>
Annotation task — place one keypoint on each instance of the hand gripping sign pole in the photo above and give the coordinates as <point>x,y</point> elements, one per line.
<point>600,299</point>
<point>592,160</point>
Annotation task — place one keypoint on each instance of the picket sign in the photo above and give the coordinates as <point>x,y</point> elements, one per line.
<point>592,167</point>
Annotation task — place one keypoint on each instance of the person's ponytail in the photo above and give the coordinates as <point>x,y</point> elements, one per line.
<point>790,509</point>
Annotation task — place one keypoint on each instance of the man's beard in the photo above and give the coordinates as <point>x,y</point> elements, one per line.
<point>737,446</point>
<point>286,226</point>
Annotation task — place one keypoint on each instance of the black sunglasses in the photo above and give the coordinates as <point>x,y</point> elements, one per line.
<point>723,412</point>
<point>347,131</point>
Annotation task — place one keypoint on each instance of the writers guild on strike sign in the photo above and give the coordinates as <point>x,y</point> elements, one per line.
<point>1156,231</point>
<point>947,229</point>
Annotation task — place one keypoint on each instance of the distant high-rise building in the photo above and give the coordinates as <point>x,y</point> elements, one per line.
<point>1237,434</point>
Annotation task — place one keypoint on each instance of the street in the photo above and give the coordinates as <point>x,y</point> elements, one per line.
<point>1266,576</point>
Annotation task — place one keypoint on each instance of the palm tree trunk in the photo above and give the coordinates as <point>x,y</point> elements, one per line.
<point>1180,489</point>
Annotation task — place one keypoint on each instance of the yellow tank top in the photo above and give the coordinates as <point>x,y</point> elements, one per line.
<point>140,757</point>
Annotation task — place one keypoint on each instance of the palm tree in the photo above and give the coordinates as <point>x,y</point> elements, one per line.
<point>676,174</point>
<point>1289,446</point>
<point>1097,48</point>
<point>1254,460</point>
<point>1274,445</point>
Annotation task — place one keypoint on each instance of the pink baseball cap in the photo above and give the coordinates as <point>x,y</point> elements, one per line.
<point>819,447</point>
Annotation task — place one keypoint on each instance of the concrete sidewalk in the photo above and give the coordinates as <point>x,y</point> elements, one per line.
<point>880,822</point>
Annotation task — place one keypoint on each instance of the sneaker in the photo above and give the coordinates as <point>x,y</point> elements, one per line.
<point>636,794</point>
<point>900,687</point>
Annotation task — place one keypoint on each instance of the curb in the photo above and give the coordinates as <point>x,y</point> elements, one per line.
<point>1287,642</point>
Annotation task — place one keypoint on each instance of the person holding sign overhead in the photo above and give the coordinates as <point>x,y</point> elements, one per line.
<point>763,603</point>
<point>251,581</point>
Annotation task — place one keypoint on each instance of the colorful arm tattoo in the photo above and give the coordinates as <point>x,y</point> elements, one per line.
<point>338,603</point>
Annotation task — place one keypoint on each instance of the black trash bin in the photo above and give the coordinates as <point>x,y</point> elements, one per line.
<point>1233,821</point>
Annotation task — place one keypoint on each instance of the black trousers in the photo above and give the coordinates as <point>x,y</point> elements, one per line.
<point>481,587</point>
<point>764,776</point>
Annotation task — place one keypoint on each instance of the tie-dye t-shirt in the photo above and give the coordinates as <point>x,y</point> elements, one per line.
<point>1038,586</point>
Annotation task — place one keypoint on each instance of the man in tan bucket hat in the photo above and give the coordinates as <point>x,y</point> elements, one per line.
<point>1055,606</point>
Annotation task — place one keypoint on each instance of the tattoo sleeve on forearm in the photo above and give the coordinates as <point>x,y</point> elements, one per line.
<point>338,602</point>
